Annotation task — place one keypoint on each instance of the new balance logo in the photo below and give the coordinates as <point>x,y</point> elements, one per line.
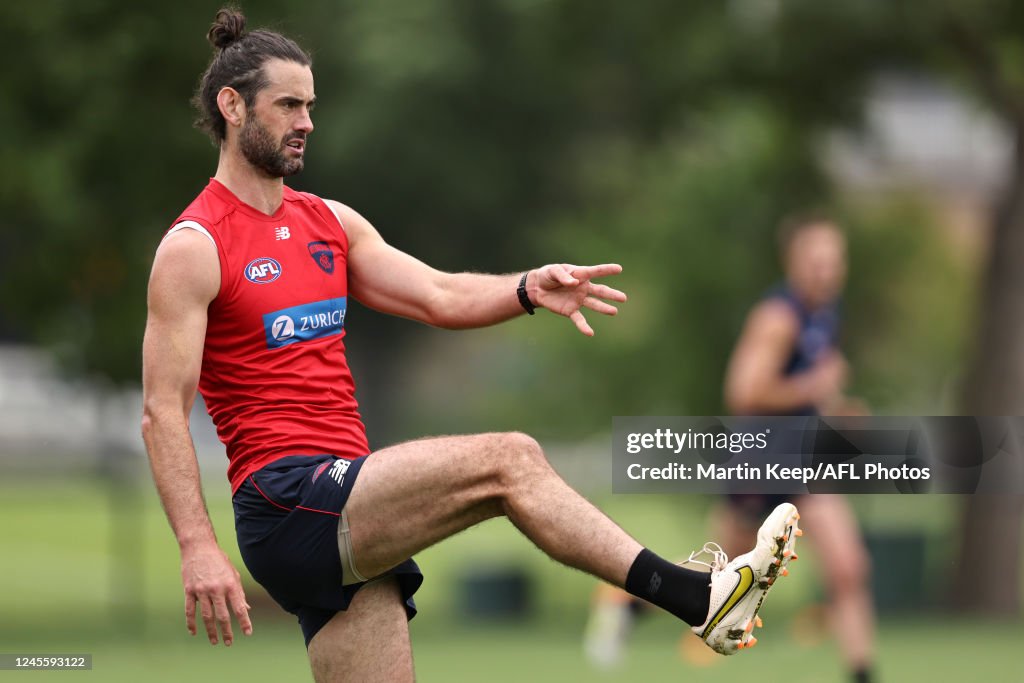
<point>655,584</point>
<point>282,233</point>
<point>338,471</point>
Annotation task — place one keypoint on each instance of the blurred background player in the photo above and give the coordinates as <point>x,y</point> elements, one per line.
<point>786,362</point>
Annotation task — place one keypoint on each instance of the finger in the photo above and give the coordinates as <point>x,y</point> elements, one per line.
<point>581,323</point>
<point>242,608</point>
<point>220,611</point>
<point>606,292</point>
<point>206,611</point>
<point>561,275</point>
<point>190,613</point>
<point>599,306</point>
<point>591,272</point>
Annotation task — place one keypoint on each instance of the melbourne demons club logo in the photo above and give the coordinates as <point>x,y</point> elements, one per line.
<point>322,254</point>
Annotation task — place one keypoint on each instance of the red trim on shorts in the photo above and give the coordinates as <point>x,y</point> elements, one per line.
<point>326,512</point>
<point>272,502</point>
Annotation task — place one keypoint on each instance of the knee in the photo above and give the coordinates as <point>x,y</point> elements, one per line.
<point>523,445</point>
<point>522,451</point>
<point>519,457</point>
<point>850,574</point>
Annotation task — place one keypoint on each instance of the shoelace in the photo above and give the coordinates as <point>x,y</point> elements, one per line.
<point>718,557</point>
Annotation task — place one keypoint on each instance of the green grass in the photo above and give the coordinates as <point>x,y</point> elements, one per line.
<point>920,650</point>
<point>65,586</point>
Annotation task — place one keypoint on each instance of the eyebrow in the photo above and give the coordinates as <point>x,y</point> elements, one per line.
<point>290,99</point>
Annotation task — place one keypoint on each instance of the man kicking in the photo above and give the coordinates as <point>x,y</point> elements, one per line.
<point>247,303</point>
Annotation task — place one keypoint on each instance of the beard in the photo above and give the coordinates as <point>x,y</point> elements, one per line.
<point>266,154</point>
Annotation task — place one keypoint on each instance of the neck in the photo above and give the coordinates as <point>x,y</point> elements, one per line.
<point>247,183</point>
<point>809,301</point>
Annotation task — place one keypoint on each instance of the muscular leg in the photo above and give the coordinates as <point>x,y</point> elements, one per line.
<point>833,531</point>
<point>412,495</point>
<point>369,642</point>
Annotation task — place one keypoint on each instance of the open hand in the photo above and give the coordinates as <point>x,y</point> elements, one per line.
<point>566,289</point>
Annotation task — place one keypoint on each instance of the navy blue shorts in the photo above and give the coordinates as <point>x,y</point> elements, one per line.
<point>286,520</point>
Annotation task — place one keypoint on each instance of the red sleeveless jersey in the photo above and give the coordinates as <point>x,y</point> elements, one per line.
<point>274,376</point>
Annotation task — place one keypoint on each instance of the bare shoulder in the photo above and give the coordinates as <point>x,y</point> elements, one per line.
<point>356,227</point>
<point>186,266</point>
<point>773,318</point>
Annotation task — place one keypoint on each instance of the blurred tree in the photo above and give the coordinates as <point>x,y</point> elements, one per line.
<point>99,159</point>
<point>984,44</point>
<point>977,45</point>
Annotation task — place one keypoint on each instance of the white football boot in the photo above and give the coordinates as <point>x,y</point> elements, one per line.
<point>738,588</point>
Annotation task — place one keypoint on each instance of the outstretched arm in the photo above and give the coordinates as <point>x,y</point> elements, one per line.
<point>391,281</point>
<point>184,280</point>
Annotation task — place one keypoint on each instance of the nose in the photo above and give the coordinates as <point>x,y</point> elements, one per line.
<point>305,122</point>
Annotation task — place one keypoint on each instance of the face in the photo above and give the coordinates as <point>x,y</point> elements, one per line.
<point>273,135</point>
<point>816,263</point>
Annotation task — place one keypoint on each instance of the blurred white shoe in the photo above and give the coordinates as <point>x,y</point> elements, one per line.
<point>608,627</point>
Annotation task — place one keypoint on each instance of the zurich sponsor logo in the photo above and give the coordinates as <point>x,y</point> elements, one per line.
<point>282,328</point>
<point>262,270</point>
<point>302,323</point>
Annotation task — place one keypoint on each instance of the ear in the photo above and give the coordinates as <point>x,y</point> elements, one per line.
<point>231,106</point>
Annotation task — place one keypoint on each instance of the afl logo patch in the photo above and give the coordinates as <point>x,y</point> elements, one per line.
<point>262,270</point>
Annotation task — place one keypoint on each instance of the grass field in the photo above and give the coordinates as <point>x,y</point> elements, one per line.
<point>67,584</point>
<point>920,650</point>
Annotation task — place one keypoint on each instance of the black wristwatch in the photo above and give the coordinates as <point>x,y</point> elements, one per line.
<point>521,293</point>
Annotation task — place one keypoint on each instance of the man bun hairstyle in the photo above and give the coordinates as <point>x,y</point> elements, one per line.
<point>227,27</point>
<point>237,63</point>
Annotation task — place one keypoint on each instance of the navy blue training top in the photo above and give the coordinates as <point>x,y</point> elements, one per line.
<point>818,334</point>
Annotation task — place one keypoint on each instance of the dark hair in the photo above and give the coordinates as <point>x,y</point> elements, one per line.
<point>794,224</point>
<point>237,63</point>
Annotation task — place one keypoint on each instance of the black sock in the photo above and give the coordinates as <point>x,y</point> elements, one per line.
<point>683,592</point>
<point>862,675</point>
